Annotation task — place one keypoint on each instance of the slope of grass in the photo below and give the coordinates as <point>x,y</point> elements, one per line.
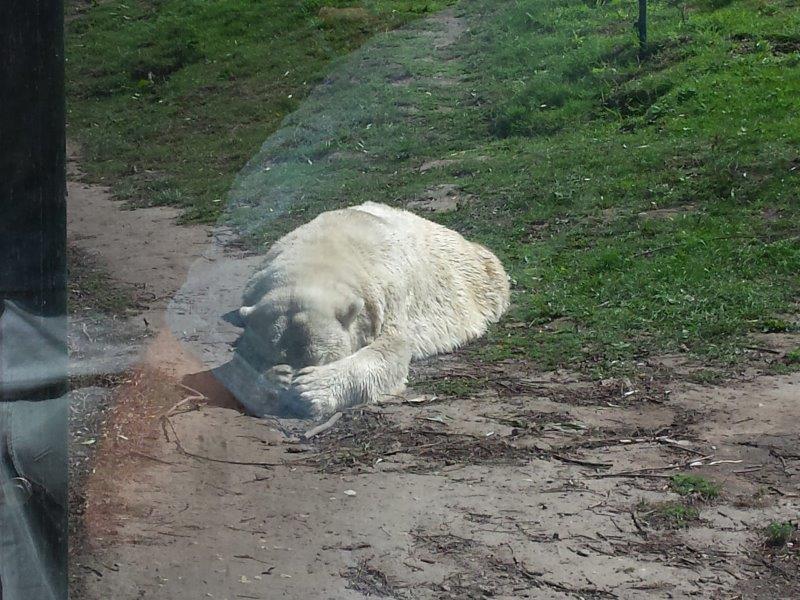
<point>644,206</point>
<point>640,207</point>
<point>595,141</point>
<point>169,98</point>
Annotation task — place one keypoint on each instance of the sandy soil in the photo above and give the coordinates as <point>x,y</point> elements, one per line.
<point>532,485</point>
<point>141,248</point>
<point>539,487</point>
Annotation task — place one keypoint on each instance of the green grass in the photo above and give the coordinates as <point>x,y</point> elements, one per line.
<point>668,515</point>
<point>778,533</point>
<point>694,485</point>
<point>677,515</point>
<point>652,205</point>
<point>170,98</point>
<point>92,290</point>
<point>453,386</point>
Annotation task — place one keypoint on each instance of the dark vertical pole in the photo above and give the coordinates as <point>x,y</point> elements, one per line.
<point>32,147</point>
<point>641,26</point>
<point>33,354</point>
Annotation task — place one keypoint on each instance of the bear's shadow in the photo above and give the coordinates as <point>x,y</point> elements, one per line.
<point>238,385</point>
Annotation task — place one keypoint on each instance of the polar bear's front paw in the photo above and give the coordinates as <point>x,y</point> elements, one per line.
<point>318,390</point>
<point>280,376</point>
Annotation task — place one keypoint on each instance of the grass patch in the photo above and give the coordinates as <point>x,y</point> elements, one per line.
<point>456,387</point>
<point>170,98</point>
<point>574,150</point>
<point>651,204</point>
<point>91,289</point>
<point>707,376</point>
<point>778,534</point>
<point>694,485</point>
<point>668,515</point>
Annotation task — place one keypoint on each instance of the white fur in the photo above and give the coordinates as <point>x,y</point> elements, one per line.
<point>351,297</point>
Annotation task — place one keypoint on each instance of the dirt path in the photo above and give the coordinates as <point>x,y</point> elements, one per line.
<point>183,277</point>
<point>507,494</point>
<point>527,485</point>
<point>140,248</point>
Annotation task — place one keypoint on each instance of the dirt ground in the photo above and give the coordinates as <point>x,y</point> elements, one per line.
<point>480,482</point>
<point>538,485</point>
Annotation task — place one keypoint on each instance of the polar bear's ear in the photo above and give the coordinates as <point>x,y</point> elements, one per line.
<point>234,317</point>
<point>245,312</point>
<point>346,318</point>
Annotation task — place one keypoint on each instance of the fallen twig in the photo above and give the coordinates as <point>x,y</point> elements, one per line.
<point>677,445</point>
<point>165,420</point>
<point>539,581</point>
<point>647,471</point>
<point>324,427</point>
<point>148,457</point>
<point>642,531</point>
<point>585,463</point>
<point>617,441</point>
<point>699,463</point>
<point>750,469</point>
<point>174,410</point>
<point>761,349</point>
<point>191,389</point>
<point>783,493</point>
<point>349,547</point>
<point>196,397</point>
<point>253,531</point>
<point>247,556</point>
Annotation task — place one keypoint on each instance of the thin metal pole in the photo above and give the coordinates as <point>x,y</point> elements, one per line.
<point>641,26</point>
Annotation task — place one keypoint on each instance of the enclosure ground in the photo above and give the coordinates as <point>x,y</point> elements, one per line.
<point>496,475</point>
<point>539,485</point>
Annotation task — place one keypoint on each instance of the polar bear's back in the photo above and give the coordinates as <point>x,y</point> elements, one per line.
<point>457,287</point>
<point>451,287</point>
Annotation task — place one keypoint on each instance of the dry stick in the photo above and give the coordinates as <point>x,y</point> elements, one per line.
<point>783,493</point>
<point>171,534</point>
<point>247,556</point>
<point>677,446</point>
<point>324,427</point>
<point>194,391</point>
<point>760,349</point>
<point>198,396</point>
<point>600,443</point>
<point>349,548</point>
<point>217,460</point>
<point>585,463</point>
<point>253,531</point>
<point>639,475</point>
<point>749,469</point>
<point>638,525</point>
<point>646,471</point>
<point>722,237</point>
<point>148,457</point>
<point>539,581</point>
<point>174,410</point>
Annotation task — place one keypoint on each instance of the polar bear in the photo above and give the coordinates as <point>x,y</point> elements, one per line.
<point>346,301</point>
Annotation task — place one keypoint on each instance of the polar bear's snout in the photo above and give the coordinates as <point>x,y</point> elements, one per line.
<point>299,337</point>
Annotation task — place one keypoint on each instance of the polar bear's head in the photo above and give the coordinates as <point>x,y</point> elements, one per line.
<point>300,328</point>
